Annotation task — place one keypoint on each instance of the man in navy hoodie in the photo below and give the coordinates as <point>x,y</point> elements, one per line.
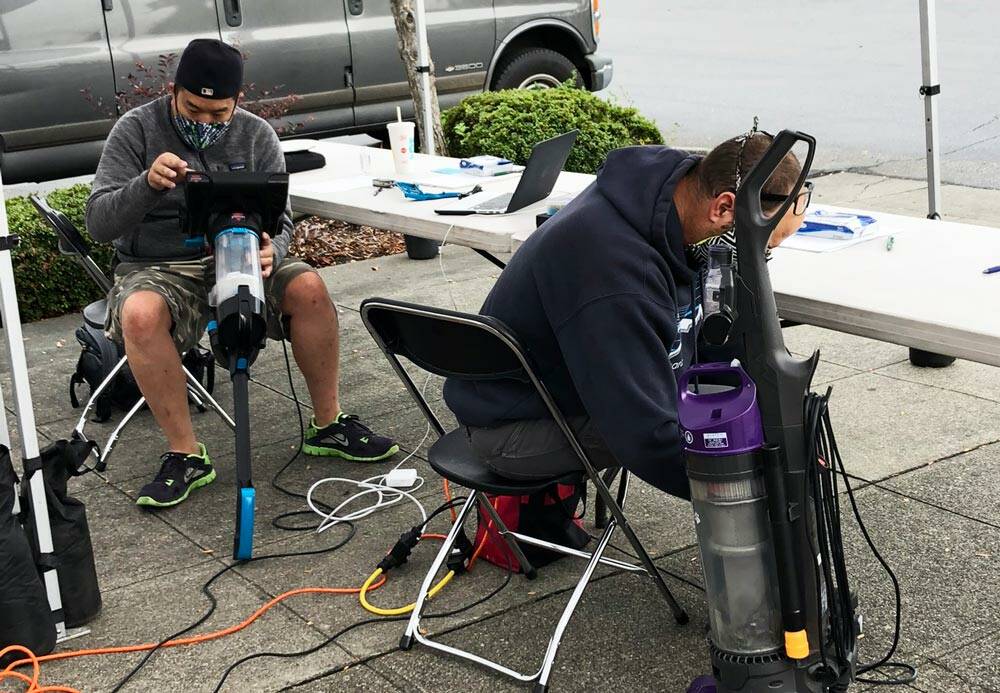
<point>595,296</point>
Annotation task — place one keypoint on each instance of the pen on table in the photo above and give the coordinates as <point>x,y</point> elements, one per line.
<point>992,270</point>
<point>889,242</point>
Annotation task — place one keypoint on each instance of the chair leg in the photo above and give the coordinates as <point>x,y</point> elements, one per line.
<point>207,398</point>
<point>97,393</point>
<point>567,614</point>
<point>413,625</point>
<point>600,509</point>
<point>196,400</point>
<point>623,489</point>
<point>680,615</point>
<point>102,461</point>
<point>529,570</point>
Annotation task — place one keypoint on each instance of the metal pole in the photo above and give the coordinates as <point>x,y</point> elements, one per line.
<point>929,89</point>
<point>26,417</point>
<point>424,68</point>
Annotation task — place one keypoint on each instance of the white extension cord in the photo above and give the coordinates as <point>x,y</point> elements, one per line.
<point>389,488</point>
<point>396,484</point>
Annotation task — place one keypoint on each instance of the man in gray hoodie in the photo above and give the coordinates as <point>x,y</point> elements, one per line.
<point>159,305</point>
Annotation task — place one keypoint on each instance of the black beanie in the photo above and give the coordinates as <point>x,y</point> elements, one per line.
<point>211,69</point>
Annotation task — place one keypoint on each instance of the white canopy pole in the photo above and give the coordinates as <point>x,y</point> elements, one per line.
<point>424,68</point>
<point>26,418</point>
<point>929,89</point>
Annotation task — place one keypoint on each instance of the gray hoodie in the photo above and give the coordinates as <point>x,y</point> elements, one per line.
<point>145,224</point>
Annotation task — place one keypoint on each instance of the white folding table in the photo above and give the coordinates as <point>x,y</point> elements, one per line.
<point>342,191</point>
<point>928,292</point>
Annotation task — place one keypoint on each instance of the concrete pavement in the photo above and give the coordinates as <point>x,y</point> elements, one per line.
<point>931,439</point>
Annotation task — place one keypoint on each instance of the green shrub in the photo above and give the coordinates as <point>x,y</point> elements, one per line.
<point>50,284</point>
<point>509,123</point>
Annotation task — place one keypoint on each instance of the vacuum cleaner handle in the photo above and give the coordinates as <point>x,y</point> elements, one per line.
<point>782,382</point>
<point>753,185</point>
<point>711,369</point>
<point>781,379</point>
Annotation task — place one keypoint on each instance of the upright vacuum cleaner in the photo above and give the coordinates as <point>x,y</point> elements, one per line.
<point>782,619</point>
<point>229,212</point>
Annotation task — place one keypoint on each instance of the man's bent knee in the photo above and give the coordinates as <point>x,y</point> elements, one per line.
<point>145,316</point>
<point>305,292</point>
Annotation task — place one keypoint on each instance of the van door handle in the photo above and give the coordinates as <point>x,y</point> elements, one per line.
<point>234,17</point>
<point>356,7</point>
<point>108,5</point>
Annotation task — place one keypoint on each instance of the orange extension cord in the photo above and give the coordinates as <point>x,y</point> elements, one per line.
<point>33,681</point>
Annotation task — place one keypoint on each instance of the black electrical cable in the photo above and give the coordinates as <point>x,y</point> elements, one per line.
<point>822,439</point>
<point>662,571</point>
<point>301,653</point>
<point>213,602</point>
<point>822,466</point>
<point>509,572</point>
<point>447,505</point>
<point>275,483</point>
<point>277,523</point>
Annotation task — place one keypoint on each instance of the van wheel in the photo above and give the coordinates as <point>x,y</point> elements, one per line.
<point>536,68</point>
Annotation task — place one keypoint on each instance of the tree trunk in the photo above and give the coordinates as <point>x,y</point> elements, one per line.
<point>404,15</point>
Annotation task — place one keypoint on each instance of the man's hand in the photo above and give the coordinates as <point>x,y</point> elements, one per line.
<point>266,255</point>
<point>165,171</point>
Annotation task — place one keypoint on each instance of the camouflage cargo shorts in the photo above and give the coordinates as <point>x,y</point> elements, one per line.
<point>185,286</point>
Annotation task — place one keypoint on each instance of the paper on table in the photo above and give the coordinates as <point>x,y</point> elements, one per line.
<point>456,171</point>
<point>812,244</point>
<point>331,185</point>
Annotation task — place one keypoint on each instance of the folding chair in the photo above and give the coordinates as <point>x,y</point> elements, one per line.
<point>473,347</point>
<point>72,244</point>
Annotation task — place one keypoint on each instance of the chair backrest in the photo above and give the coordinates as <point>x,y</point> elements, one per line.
<point>71,242</point>
<point>444,342</point>
<point>454,345</point>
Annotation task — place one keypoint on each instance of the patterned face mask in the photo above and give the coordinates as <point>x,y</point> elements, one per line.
<point>200,136</point>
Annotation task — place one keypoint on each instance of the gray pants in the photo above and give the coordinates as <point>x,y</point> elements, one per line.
<point>537,448</point>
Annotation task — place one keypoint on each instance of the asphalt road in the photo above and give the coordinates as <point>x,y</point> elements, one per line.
<point>846,71</point>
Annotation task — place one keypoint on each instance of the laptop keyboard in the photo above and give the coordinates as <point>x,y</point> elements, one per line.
<point>495,204</point>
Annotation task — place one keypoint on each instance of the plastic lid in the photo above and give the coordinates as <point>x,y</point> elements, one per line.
<point>721,251</point>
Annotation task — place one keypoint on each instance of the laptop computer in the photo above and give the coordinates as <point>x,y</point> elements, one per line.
<point>540,173</point>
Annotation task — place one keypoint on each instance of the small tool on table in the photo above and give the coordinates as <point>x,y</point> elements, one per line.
<point>381,184</point>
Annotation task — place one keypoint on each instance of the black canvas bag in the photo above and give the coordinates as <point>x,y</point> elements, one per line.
<point>25,617</point>
<point>73,556</point>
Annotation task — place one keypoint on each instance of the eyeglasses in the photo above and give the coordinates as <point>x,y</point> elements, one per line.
<point>801,200</point>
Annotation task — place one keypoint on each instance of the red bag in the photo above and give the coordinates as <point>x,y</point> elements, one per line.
<point>549,515</point>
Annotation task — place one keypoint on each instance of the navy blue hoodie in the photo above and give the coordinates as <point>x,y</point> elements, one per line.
<point>593,296</point>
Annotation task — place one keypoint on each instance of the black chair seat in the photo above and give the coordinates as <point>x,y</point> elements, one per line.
<point>96,313</point>
<point>453,458</point>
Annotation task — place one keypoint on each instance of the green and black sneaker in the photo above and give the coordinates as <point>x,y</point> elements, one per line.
<point>179,475</point>
<point>349,439</point>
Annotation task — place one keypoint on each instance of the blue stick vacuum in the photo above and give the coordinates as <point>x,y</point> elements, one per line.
<point>230,211</point>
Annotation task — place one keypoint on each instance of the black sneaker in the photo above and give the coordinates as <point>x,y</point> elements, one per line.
<point>349,439</point>
<point>179,475</point>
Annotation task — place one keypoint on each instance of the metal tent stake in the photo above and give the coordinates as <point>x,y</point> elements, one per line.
<point>26,423</point>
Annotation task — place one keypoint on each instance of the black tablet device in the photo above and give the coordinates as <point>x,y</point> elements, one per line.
<point>261,197</point>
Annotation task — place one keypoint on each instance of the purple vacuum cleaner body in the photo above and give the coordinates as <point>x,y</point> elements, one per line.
<point>723,434</point>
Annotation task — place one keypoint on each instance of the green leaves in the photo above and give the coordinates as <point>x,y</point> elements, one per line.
<point>48,283</point>
<point>509,123</point>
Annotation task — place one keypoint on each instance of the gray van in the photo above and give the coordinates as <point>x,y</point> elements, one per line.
<point>62,62</point>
